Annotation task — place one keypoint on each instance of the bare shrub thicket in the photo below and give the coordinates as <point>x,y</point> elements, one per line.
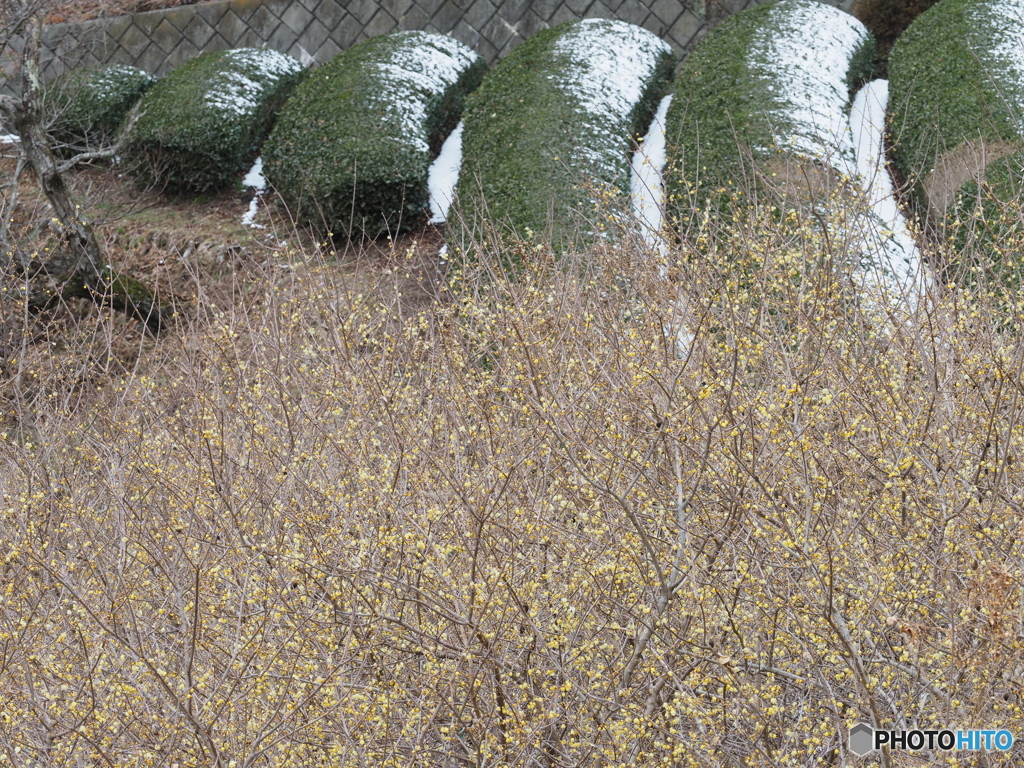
<point>517,527</point>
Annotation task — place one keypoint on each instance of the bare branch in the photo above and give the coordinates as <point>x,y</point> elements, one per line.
<point>85,157</point>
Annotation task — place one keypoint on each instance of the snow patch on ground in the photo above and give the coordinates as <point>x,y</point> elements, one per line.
<point>646,185</point>
<point>235,93</point>
<point>607,66</point>
<point>249,217</point>
<point>893,261</point>
<point>422,69</point>
<point>647,191</point>
<point>802,54</point>
<point>9,139</point>
<point>444,175</point>
<point>255,179</point>
<point>1001,24</point>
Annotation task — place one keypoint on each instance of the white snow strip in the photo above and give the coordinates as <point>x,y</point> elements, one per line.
<point>9,139</point>
<point>646,185</point>
<point>608,65</point>
<point>1001,25</point>
<point>249,217</point>
<point>425,68</point>
<point>647,191</point>
<point>893,259</point>
<point>254,178</point>
<point>444,175</point>
<point>802,54</point>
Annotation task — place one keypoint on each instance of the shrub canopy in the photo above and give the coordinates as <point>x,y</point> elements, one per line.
<point>353,146</point>
<point>957,84</point>
<point>87,106</point>
<point>203,122</point>
<point>957,75</point>
<point>549,134</point>
<point>760,116</point>
<point>770,83</point>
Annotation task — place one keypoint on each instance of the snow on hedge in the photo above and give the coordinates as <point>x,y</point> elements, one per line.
<point>238,86</point>
<point>607,70</point>
<point>957,111</point>
<point>353,146</point>
<point>87,106</point>
<point>803,54</point>
<point>202,124</point>
<point>1002,23</point>
<point>549,134</point>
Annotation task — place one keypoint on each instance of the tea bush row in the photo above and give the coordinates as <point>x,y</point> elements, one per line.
<point>352,147</point>
<point>86,107</point>
<point>568,104</point>
<point>202,122</point>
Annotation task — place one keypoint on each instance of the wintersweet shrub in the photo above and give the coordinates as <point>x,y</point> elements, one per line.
<point>514,527</point>
<point>87,106</point>
<point>957,85</point>
<point>549,134</point>
<point>986,218</point>
<point>353,146</point>
<point>201,123</point>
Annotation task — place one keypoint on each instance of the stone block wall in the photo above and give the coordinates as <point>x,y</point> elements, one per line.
<point>315,30</point>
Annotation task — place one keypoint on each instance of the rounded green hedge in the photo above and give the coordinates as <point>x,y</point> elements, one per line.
<point>201,124</point>
<point>956,79</point>
<point>955,75</point>
<point>549,134</point>
<point>352,147</point>
<point>770,84</point>
<point>86,107</point>
<point>987,214</point>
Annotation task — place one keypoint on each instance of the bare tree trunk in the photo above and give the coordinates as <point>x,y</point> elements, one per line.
<point>77,268</point>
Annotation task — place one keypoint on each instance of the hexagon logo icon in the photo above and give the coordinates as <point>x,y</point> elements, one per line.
<point>862,737</point>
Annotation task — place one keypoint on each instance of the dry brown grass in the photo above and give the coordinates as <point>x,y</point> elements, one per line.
<point>507,524</point>
<point>77,11</point>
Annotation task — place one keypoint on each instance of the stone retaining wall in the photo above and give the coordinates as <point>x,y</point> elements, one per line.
<point>315,30</point>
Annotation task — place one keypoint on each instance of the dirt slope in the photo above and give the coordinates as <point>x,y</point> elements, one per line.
<point>83,10</point>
